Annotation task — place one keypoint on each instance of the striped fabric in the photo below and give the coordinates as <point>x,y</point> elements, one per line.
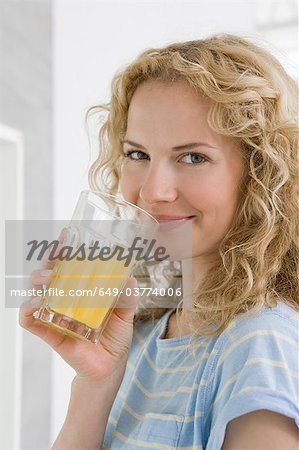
<point>176,397</point>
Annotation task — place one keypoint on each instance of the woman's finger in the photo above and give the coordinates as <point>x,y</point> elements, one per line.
<point>27,310</point>
<point>40,278</point>
<point>46,262</point>
<point>128,301</point>
<point>28,321</point>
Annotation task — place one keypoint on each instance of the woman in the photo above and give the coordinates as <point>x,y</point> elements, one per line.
<point>205,132</point>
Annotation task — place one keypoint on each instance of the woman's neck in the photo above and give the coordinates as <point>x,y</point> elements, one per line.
<point>193,273</point>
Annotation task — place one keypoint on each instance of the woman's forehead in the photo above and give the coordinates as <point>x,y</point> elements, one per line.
<point>172,105</point>
<point>152,88</point>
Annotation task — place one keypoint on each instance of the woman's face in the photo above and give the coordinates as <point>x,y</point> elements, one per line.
<point>177,167</point>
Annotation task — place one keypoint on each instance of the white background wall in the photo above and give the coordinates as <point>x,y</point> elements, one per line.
<point>26,107</point>
<point>92,39</point>
<point>11,169</point>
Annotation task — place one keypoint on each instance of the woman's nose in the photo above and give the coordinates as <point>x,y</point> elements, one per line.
<point>159,186</point>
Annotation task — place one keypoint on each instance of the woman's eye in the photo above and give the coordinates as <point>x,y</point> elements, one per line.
<point>136,155</point>
<point>193,158</point>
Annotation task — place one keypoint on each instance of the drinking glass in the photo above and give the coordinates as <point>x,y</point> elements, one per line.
<point>92,269</point>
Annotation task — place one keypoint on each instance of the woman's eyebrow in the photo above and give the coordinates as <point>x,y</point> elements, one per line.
<point>178,147</point>
<point>134,144</point>
<point>192,145</point>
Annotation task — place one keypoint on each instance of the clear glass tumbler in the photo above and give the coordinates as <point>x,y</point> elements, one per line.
<point>92,268</point>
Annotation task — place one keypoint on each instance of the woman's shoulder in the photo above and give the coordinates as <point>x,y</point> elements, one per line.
<point>266,340</point>
<point>280,318</point>
<point>255,366</point>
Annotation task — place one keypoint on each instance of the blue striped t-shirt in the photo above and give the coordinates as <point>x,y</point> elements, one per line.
<point>173,398</point>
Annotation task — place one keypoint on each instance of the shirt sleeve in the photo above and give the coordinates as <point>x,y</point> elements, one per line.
<point>256,368</point>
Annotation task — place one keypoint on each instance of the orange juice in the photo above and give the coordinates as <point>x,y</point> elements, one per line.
<point>74,293</point>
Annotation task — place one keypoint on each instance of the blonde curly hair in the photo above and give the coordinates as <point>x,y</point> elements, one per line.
<point>254,100</point>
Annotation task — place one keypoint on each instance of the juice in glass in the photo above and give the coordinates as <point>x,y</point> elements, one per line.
<point>81,295</point>
<point>84,290</point>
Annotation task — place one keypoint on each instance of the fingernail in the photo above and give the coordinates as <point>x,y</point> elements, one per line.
<point>46,273</point>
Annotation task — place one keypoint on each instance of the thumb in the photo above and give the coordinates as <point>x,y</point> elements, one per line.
<point>117,334</point>
<point>127,303</point>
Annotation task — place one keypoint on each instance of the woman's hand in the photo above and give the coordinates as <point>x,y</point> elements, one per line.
<point>91,362</point>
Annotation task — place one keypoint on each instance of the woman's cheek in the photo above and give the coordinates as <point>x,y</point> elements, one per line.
<point>130,182</point>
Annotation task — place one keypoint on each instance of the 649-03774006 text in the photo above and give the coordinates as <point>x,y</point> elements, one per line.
<point>96,292</point>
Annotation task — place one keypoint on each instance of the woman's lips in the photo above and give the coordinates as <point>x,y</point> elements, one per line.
<point>170,222</point>
<point>168,218</point>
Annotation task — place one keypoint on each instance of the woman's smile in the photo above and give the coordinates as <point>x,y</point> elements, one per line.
<point>170,222</point>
